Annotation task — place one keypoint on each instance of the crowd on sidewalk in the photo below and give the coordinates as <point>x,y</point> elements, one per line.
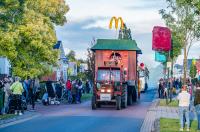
<point>74,90</point>
<point>168,87</point>
<point>188,97</point>
<point>16,93</point>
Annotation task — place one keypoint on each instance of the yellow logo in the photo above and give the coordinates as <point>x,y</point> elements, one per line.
<point>117,20</point>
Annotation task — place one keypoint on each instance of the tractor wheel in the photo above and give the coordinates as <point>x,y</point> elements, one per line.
<point>129,96</point>
<point>124,96</point>
<point>134,95</point>
<point>94,106</point>
<point>118,102</point>
<point>98,105</point>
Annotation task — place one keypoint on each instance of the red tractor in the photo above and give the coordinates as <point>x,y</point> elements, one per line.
<point>116,74</point>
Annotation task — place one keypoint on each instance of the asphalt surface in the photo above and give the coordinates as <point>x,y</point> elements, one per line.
<point>80,118</point>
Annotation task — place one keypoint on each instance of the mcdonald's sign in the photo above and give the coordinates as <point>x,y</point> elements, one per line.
<point>116,20</point>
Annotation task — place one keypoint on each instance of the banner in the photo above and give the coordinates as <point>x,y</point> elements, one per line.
<point>160,57</point>
<point>161,39</point>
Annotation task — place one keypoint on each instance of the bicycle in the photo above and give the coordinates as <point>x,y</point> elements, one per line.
<point>70,99</point>
<point>64,97</point>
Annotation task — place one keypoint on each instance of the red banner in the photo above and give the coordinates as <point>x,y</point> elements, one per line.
<point>161,39</point>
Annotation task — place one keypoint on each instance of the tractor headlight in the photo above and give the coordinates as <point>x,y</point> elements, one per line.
<point>109,90</point>
<point>102,90</point>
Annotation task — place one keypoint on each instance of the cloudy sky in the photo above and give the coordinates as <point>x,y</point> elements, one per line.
<point>88,19</point>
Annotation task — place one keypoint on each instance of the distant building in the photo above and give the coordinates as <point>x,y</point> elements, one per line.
<point>83,67</point>
<point>178,70</point>
<point>5,67</point>
<point>189,63</point>
<point>72,69</point>
<point>60,72</point>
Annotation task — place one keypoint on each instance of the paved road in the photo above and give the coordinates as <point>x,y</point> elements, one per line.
<point>80,118</point>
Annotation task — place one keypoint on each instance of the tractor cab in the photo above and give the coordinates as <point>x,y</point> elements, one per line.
<point>109,81</point>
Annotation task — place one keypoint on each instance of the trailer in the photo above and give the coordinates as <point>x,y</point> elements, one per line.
<point>116,73</point>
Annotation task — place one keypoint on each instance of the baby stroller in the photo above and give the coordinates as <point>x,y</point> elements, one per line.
<point>53,99</point>
<point>12,103</point>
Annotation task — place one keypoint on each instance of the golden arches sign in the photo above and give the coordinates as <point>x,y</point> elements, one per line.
<point>117,20</point>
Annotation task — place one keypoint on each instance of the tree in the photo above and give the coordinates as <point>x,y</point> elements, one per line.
<point>193,71</point>
<point>125,33</point>
<point>91,62</point>
<point>27,34</point>
<point>71,56</point>
<point>183,21</point>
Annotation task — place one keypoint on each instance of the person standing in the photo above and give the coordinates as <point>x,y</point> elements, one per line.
<point>2,94</point>
<point>184,103</point>
<point>197,104</point>
<point>74,91</point>
<point>69,91</point>
<point>32,92</point>
<point>87,85</point>
<point>26,85</point>
<point>159,89</point>
<point>80,89</point>
<point>68,85</point>
<point>25,89</point>
<point>17,90</point>
<point>37,88</point>
<point>170,88</point>
<point>7,94</point>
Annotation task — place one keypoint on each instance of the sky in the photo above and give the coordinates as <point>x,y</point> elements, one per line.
<point>89,20</point>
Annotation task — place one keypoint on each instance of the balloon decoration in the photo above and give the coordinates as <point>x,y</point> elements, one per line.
<point>142,66</point>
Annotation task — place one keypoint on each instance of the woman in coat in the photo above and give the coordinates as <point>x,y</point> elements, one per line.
<point>197,104</point>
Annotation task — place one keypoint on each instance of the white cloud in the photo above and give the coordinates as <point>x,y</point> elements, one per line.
<point>139,15</point>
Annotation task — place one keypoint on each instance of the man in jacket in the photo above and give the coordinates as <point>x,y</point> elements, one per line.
<point>17,90</point>
<point>184,102</point>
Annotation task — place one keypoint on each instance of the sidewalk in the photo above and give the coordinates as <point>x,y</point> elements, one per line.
<point>154,113</point>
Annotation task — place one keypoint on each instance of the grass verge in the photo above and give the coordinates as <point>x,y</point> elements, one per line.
<point>173,125</point>
<point>86,97</point>
<point>174,103</point>
<point>6,116</point>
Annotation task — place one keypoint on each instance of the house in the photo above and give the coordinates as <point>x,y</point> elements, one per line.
<point>178,70</point>
<point>5,67</point>
<point>83,67</point>
<point>189,63</point>
<point>59,72</point>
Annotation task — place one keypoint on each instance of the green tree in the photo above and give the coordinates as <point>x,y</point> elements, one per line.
<point>91,62</point>
<point>193,71</point>
<point>71,56</point>
<point>27,34</point>
<point>125,33</point>
<point>183,21</point>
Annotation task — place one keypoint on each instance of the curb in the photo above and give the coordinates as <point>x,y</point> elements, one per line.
<point>150,111</point>
<point>18,119</point>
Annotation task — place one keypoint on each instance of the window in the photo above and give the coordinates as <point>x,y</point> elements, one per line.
<point>106,75</point>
